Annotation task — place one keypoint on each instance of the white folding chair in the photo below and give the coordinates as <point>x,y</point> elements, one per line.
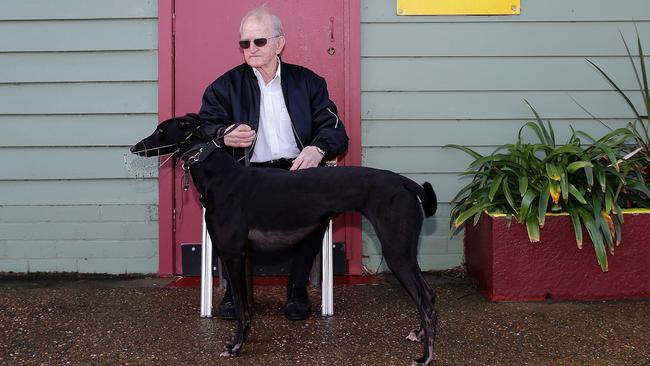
<point>327,280</point>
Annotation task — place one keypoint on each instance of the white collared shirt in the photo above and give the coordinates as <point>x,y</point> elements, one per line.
<point>275,137</point>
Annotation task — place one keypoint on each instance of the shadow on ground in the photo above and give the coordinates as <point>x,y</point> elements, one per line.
<point>141,322</point>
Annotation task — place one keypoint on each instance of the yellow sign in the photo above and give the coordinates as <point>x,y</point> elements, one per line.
<point>458,7</point>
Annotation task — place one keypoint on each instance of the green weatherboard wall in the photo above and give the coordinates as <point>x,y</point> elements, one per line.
<point>78,84</point>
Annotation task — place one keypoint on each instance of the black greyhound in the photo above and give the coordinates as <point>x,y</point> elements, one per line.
<point>270,209</point>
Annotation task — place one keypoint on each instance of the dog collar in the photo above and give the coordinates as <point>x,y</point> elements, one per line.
<point>199,153</point>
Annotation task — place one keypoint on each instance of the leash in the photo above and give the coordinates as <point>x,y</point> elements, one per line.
<point>201,152</point>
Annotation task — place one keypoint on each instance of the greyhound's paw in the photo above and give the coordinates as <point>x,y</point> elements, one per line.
<point>229,352</point>
<point>421,363</point>
<point>416,335</point>
<point>231,349</point>
<point>425,360</point>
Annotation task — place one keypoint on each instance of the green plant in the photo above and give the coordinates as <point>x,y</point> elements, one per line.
<point>640,127</point>
<point>527,180</point>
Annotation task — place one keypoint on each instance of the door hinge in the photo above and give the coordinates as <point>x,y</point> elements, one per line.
<point>173,220</point>
<point>173,25</point>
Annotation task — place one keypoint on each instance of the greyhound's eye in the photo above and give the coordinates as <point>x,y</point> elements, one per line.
<point>160,131</point>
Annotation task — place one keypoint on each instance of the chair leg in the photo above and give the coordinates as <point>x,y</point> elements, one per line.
<point>206,273</point>
<point>327,283</point>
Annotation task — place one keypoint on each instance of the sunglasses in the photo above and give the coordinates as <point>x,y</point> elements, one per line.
<point>259,42</point>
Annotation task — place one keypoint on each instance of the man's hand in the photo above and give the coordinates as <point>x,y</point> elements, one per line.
<point>309,157</point>
<point>242,136</point>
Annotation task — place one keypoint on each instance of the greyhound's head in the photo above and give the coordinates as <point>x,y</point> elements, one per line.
<point>173,136</point>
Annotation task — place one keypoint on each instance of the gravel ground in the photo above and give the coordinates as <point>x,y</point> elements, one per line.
<point>144,323</point>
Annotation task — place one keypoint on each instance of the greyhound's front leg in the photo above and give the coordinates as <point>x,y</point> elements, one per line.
<point>248,268</point>
<point>237,278</point>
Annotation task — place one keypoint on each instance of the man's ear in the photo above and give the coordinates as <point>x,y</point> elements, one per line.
<point>281,43</point>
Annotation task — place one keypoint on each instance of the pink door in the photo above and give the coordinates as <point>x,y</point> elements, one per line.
<point>204,45</point>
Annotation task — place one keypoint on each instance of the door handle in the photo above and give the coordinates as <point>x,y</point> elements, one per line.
<point>331,50</point>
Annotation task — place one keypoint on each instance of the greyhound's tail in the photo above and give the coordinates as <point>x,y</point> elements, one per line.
<point>429,200</point>
<point>426,195</point>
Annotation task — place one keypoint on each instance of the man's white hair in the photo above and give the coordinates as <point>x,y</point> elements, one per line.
<point>263,14</point>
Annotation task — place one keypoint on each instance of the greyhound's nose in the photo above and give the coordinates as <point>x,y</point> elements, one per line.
<point>132,148</point>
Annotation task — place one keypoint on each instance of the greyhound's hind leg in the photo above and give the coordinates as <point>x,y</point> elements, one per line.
<point>415,285</point>
<point>417,335</point>
<point>399,240</point>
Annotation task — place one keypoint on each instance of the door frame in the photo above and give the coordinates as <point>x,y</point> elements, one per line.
<point>352,107</point>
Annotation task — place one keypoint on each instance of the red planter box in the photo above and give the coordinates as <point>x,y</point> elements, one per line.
<point>511,268</point>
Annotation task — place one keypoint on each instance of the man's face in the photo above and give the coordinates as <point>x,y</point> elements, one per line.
<point>265,56</point>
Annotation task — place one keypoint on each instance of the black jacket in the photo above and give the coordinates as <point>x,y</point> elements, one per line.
<point>235,97</point>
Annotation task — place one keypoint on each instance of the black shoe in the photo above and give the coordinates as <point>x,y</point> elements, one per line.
<point>297,306</point>
<point>227,306</point>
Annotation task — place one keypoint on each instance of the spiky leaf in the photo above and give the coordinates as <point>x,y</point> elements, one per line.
<point>532,226</point>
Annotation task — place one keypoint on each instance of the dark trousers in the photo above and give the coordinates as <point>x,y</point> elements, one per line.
<point>306,251</point>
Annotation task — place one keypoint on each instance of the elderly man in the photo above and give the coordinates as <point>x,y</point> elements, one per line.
<point>290,123</point>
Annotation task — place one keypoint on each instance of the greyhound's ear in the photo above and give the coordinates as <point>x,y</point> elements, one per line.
<point>189,120</point>
<point>184,125</point>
